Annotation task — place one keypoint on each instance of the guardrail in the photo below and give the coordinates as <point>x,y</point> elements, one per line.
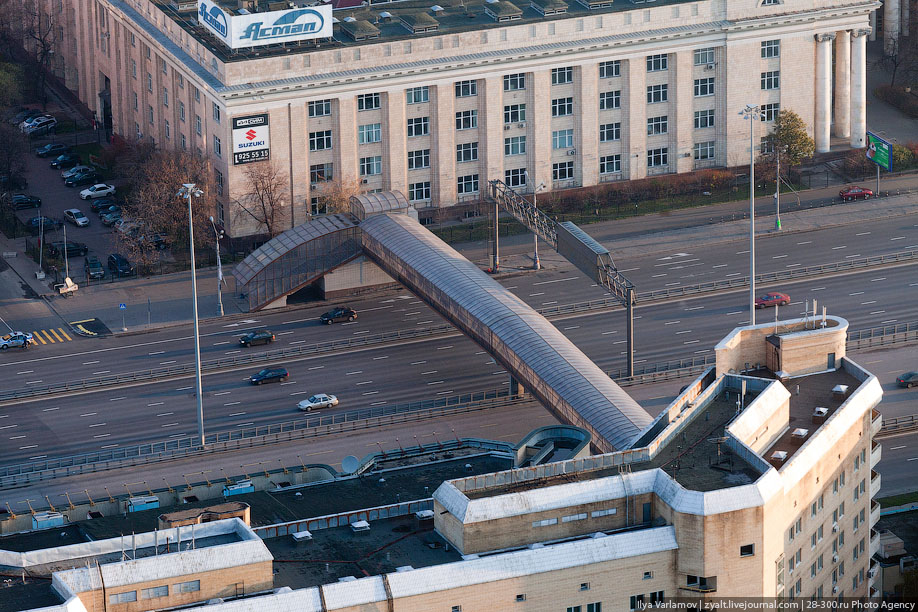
<point>883,335</point>
<point>895,425</point>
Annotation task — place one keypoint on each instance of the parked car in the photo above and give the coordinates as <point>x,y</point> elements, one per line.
<point>338,314</point>
<point>16,338</point>
<point>65,161</point>
<point>854,192</point>
<point>119,265</point>
<point>52,150</point>
<point>35,224</point>
<point>84,178</point>
<point>262,336</point>
<point>93,267</point>
<point>22,200</point>
<point>42,125</point>
<point>35,120</point>
<point>73,249</point>
<point>97,191</point>
<point>908,380</point>
<point>111,218</point>
<point>76,217</point>
<point>772,299</point>
<point>25,115</point>
<point>269,375</point>
<point>16,181</point>
<point>319,400</point>
<point>159,241</point>
<point>127,227</point>
<point>74,170</point>
<point>100,205</point>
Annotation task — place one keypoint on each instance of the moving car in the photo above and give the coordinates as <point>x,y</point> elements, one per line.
<point>73,249</point>
<point>16,338</point>
<point>21,200</point>
<point>93,268</point>
<point>84,178</point>
<point>772,299</point>
<point>338,314</point>
<point>74,170</point>
<point>854,192</point>
<point>263,336</point>
<point>52,150</point>
<point>908,380</point>
<point>97,191</point>
<point>66,161</point>
<point>269,375</point>
<point>319,400</point>
<point>35,224</point>
<point>76,217</point>
<point>119,265</point>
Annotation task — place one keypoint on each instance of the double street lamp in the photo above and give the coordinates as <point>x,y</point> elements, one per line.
<point>753,114</point>
<point>187,191</point>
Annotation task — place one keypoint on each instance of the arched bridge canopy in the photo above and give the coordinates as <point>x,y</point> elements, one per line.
<point>533,350</point>
<point>297,257</point>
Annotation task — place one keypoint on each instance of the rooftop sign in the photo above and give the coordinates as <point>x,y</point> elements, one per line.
<point>269,28</point>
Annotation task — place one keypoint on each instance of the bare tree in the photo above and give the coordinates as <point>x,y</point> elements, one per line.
<point>13,152</point>
<point>336,194</point>
<point>36,22</point>
<point>900,60</point>
<point>267,199</point>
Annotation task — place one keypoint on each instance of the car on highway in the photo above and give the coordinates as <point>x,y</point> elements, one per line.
<point>73,249</point>
<point>99,190</point>
<point>16,339</point>
<point>93,268</point>
<point>53,149</point>
<point>35,224</point>
<point>22,200</point>
<point>83,178</point>
<point>338,314</point>
<point>269,375</point>
<point>262,336</point>
<point>99,205</point>
<point>772,299</point>
<point>854,193</point>
<point>907,380</point>
<point>319,400</point>
<point>119,265</point>
<point>74,170</point>
<point>110,218</point>
<point>75,216</point>
<point>65,161</point>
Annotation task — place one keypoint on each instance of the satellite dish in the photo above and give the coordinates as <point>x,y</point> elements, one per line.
<point>350,464</point>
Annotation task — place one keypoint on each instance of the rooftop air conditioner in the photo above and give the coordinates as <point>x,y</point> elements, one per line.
<point>835,558</point>
<point>572,152</point>
<point>834,527</point>
<point>507,126</point>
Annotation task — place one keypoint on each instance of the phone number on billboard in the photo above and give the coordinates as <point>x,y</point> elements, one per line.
<point>246,157</point>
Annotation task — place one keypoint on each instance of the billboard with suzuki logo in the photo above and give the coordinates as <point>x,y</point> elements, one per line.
<point>268,28</point>
<point>251,140</point>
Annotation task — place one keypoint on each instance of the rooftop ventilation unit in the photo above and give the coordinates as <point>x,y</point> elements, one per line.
<point>436,8</point>
<point>778,458</point>
<point>799,435</point>
<point>819,415</point>
<point>358,526</point>
<point>385,16</point>
<point>349,19</point>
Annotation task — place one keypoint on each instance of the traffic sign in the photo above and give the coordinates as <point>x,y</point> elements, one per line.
<point>122,306</point>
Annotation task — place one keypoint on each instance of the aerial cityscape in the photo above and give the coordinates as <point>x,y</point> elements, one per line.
<point>469,306</point>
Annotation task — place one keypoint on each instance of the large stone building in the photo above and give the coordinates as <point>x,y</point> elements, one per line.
<point>434,100</point>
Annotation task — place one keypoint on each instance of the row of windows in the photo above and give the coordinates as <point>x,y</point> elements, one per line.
<point>155,592</point>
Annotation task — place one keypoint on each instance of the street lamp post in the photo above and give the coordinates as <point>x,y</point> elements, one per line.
<point>536,264</point>
<point>751,113</point>
<point>217,234</point>
<point>187,191</point>
<point>777,187</point>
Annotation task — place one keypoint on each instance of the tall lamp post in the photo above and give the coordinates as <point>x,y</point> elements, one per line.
<point>536,264</point>
<point>751,113</point>
<point>778,150</point>
<point>187,191</point>
<point>217,235</point>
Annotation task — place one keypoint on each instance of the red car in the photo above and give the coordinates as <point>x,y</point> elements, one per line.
<point>854,192</point>
<point>772,299</point>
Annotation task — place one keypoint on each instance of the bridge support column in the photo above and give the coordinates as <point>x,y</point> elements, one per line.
<point>516,389</point>
<point>495,233</point>
<point>629,331</point>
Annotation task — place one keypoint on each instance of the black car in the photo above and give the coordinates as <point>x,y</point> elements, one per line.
<point>74,249</point>
<point>159,241</point>
<point>35,224</point>
<point>65,161</point>
<point>100,204</point>
<point>52,150</point>
<point>257,337</point>
<point>119,265</point>
<point>84,178</point>
<point>269,375</point>
<point>94,268</point>
<point>338,314</point>
<point>16,181</point>
<point>21,201</point>
<point>908,380</point>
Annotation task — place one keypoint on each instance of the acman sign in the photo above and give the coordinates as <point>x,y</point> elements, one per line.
<point>269,28</point>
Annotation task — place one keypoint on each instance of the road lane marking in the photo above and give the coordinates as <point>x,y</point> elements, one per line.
<point>101,372</point>
<point>876,312</point>
<point>571,327</point>
<point>231,403</point>
<point>89,414</point>
<point>156,353</point>
<point>184,388</point>
<point>658,275</point>
<point>434,371</point>
<point>25,372</point>
<point>869,302</point>
<point>290,382</point>
<point>105,435</point>
<point>443,348</point>
<point>560,280</point>
<point>366,382</point>
<point>169,425</point>
<point>36,335</point>
<point>51,409</point>
<point>155,404</point>
<point>315,368</point>
<point>9,426</point>
<point>284,333</point>
<point>90,362</point>
<point>218,343</point>
<point>371,393</point>
<point>805,242</point>
<point>687,331</point>
<point>166,362</point>
<point>33,382</point>
<point>247,424</point>
<point>694,308</point>
<point>898,447</point>
<point>897,238</point>
<point>863,234</point>
<point>719,266</point>
<point>817,288</point>
<point>354,372</point>
<point>420,362</point>
<point>98,425</point>
<point>778,256</point>
<point>835,248</point>
<point>115,399</point>
<point>48,336</point>
<point>64,334</point>
<point>223,393</point>
<point>17,437</point>
<point>236,414</point>
<point>28,446</point>
<point>873,280</point>
<point>535,294</point>
<point>672,322</point>
<point>857,293</point>
<point>606,333</point>
<point>378,358</point>
<point>162,414</point>
<point>435,382</point>
<point>108,446</point>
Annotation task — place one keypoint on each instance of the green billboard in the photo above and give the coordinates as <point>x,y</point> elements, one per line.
<point>879,151</point>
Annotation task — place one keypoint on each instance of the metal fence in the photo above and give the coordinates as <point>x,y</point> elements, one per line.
<point>883,335</point>
<point>344,518</point>
<point>895,425</point>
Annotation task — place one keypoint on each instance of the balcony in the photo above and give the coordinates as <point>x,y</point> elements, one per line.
<point>611,177</point>
<point>565,184</point>
<point>874,542</point>
<point>874,482</point>
<point>658,170</point>
<point>874,512</point>
<point>876,453</point>
<point>876,423</point>
<point>873,573</point>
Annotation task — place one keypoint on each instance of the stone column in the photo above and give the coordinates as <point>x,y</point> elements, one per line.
<point>890,23</point>
<point>823,94</point>
<point>539,109</point>
<point>682,91</point>
<point>859,88</point>
<point>395,160</point>
<point>873,26</point>
<point>443,145</point>
<point>344,140</point>
<point>843,84</point>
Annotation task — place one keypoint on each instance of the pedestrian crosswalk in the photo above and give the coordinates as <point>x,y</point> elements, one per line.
<point>51,335</point>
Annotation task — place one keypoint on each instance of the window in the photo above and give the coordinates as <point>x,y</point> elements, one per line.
<point>418,126</point>
<point>467,152</point>
<point>521,597</point>
<point>771,2</point>
<point>318,205</point>
<point>766,146</point>
<point>133,40</point>
<point>419,159</point>
<point>154,592</point>
<point>656,63</point>
<point>573,609</point>
<point>574,517</point>
<point>562,76</point>
<point>419,191</point>
<point>637,602</point>
<point>704,56</point>
<point>467,184</point>
<point>562,171</point>
<point>610,131</point>
<point>562,107</point>
<point>594,607</point>
<point>545,522</point>
<point>515,177</point>
<point>770,111</point>
<point>610,164</point>
<point>165,97</point>
<point>562,139</point>
<point>771,48</point>
<point>657,93</point>
<point>704,119</point>
<point>514,113</point>
<point>657,125</point>
<point>218,146</point>
<point>467,120</point>
<point>657,157</point>
<point>181,82</point>
<point>167,131</point>
<point>136,101</point>
<point>515,145</point>
<point>771,79</point>
<point>368,102</point>
<point>197,125</point>
<point>371,132</point>
<point>216,111</point>
<point>320,173</point>
<point>466,89</point>
<point>150,114</point>
<point>608,70</point>
<point>514,82</point>
<point>127,597</point>
<point>181,111</point>
<point>456,609</point>
<point>747,550</point>
<point>320,108</point>
<point>134,69</point>
<point>704,87</point>
<point>584,586</point>
<point>609,100</point>
<point>184,143</point>
<point>371,166</point>
<point>320,141</point>
<point>417,95</point>
<point>149,82</point>
<point>607,512</point>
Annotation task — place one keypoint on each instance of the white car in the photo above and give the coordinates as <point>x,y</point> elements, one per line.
<point>17,338</point>
<point>319,400</point>
<point>97,191</point>
<point>76,217</point>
